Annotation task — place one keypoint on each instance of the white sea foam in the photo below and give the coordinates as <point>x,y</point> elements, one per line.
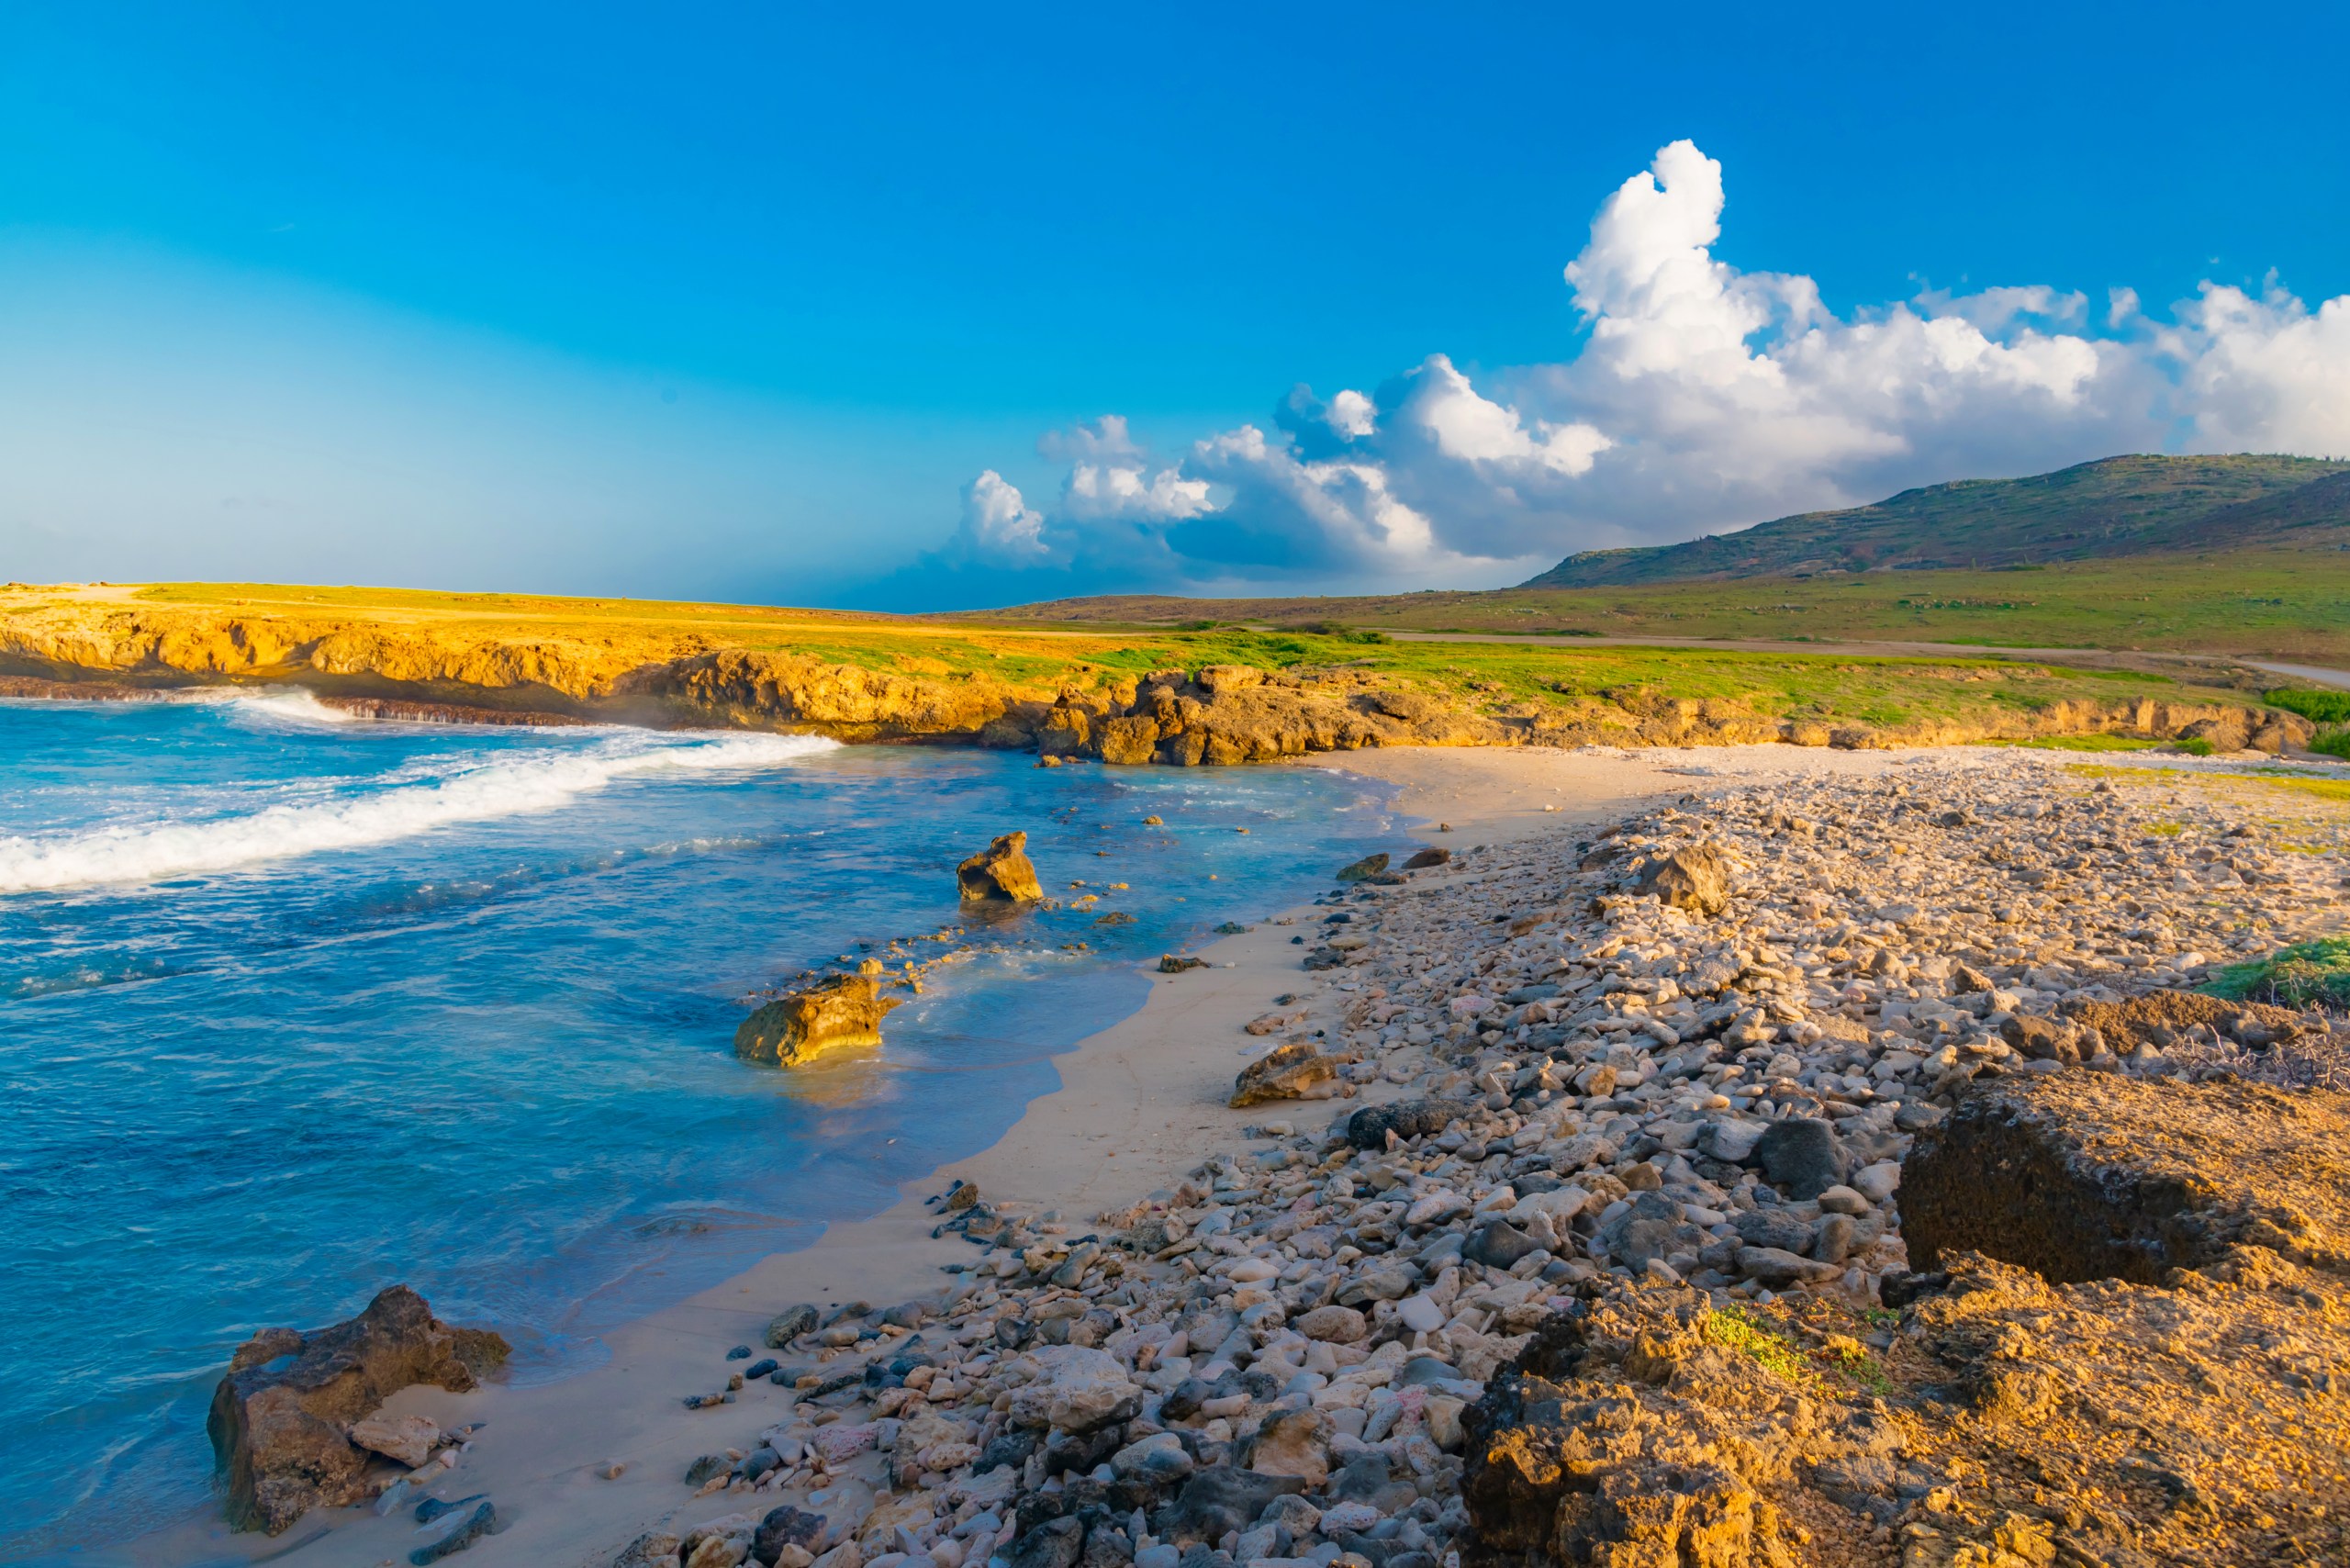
<point>511,786</point>
<point>283,704</point>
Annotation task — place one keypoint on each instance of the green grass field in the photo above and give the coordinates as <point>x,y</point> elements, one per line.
<point>2275,603</point>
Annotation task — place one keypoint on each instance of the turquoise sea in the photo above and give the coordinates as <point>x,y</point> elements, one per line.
<point>292,1007</point>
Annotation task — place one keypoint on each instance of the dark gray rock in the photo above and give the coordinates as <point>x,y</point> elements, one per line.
<point>467,1521</point>
<point>1498,1245</point>
<point>1772,1227</point>
<point>1649,1228</point>
<point>1056,1544</point>
<point>707,1466</point>
<point>1802,1156</point>
<point>1082,1451</point>
<point>785,1527</point>
<point>1217,1500</point>
<point>789,1324</point>
<point>1369,1128</point>
<point>1362,870</point>
<point>1012,1448</point>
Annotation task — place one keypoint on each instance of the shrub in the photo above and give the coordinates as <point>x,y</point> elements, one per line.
<point>2321,707</point>
<point>2297,976</point>
<point>2193,745</point>
<point>2334,740</point>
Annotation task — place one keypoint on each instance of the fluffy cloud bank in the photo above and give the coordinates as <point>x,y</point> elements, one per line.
<point>1703,398</point>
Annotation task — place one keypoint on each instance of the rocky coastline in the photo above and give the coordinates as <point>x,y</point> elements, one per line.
<point>1836,1172</point>
<point>1214,714</point>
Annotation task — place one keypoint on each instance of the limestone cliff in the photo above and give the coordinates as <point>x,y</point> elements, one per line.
<point>648,671</point>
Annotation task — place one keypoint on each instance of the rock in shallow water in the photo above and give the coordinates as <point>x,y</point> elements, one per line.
<point>832,1015</point>
<point>280,1416</point>
<point>1000,873</point>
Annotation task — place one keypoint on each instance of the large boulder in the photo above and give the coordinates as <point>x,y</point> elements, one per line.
<point>1294,1072</point>
<point>1803,1156</point>
<point>834,1014</point>
<point>1695,879</point>
<point>281,1416</point>
<point>1074,1388</point>
<point>1000,873</point>
<point>2084,1176</point>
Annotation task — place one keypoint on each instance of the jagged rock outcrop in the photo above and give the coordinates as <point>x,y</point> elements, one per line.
<point>761,690</point>
<point>832,1015</point>
<point>1000,873</point>
<point>282,1414</point>
<point>2092,1176</point>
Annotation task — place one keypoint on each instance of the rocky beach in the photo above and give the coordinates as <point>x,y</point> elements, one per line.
<point>1743,1157</point>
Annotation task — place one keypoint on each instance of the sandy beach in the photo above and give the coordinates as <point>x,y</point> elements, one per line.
<point>1140,1103</point>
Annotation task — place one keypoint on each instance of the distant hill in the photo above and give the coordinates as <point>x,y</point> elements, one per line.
<point>2116,505</point>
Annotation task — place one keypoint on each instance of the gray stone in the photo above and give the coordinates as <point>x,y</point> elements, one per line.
<point>1217,1500</point>
<point>1055,1543</point>
<point>1802,1157</point>
<point>1773,1267</point>
<point>1772,1227</point>
<point>789,1324</point>
<point>466,1522</point>
<point>1497,1245</point>
<point>786,1525</point>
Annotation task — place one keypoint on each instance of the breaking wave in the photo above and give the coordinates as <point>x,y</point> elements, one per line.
<point>544,782</point>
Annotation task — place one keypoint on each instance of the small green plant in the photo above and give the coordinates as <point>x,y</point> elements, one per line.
<point>2306,972</point>
<point>2193,745</point>
<point>1733,1330</point>
<point>2334,740</point>
<point>1848,1356</point>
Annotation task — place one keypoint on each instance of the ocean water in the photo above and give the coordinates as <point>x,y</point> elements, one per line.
<point>294,1007</point>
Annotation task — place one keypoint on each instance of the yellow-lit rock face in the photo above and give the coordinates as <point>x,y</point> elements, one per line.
<point>835,1015</point>
<point>1000,873</point>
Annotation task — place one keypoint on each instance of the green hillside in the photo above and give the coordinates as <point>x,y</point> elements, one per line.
<point>2117,506</point>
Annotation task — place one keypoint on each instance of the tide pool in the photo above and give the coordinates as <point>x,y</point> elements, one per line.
<point>294,1007</point>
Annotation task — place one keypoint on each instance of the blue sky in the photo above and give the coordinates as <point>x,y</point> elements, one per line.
<point>744,301</point>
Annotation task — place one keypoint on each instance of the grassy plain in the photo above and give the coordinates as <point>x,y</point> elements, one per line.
<point>2276,603</point>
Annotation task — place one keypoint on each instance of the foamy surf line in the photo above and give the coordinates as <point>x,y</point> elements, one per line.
<point>484,793</point>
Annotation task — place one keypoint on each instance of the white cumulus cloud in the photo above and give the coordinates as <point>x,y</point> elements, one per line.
<point>999,526</point>
<point>1702,397</point>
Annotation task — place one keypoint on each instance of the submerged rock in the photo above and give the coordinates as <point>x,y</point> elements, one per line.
<point>281,1416</point>
<point>844,1011</point>
<point>1000,873</point>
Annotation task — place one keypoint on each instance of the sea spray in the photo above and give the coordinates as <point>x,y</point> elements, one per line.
<point>142,852</point>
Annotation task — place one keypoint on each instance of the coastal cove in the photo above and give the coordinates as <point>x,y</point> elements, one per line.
<point>308,1006</point>
<point>1138,1104</point>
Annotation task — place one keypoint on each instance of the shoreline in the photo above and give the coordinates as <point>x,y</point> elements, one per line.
<point>1138,1104</point>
